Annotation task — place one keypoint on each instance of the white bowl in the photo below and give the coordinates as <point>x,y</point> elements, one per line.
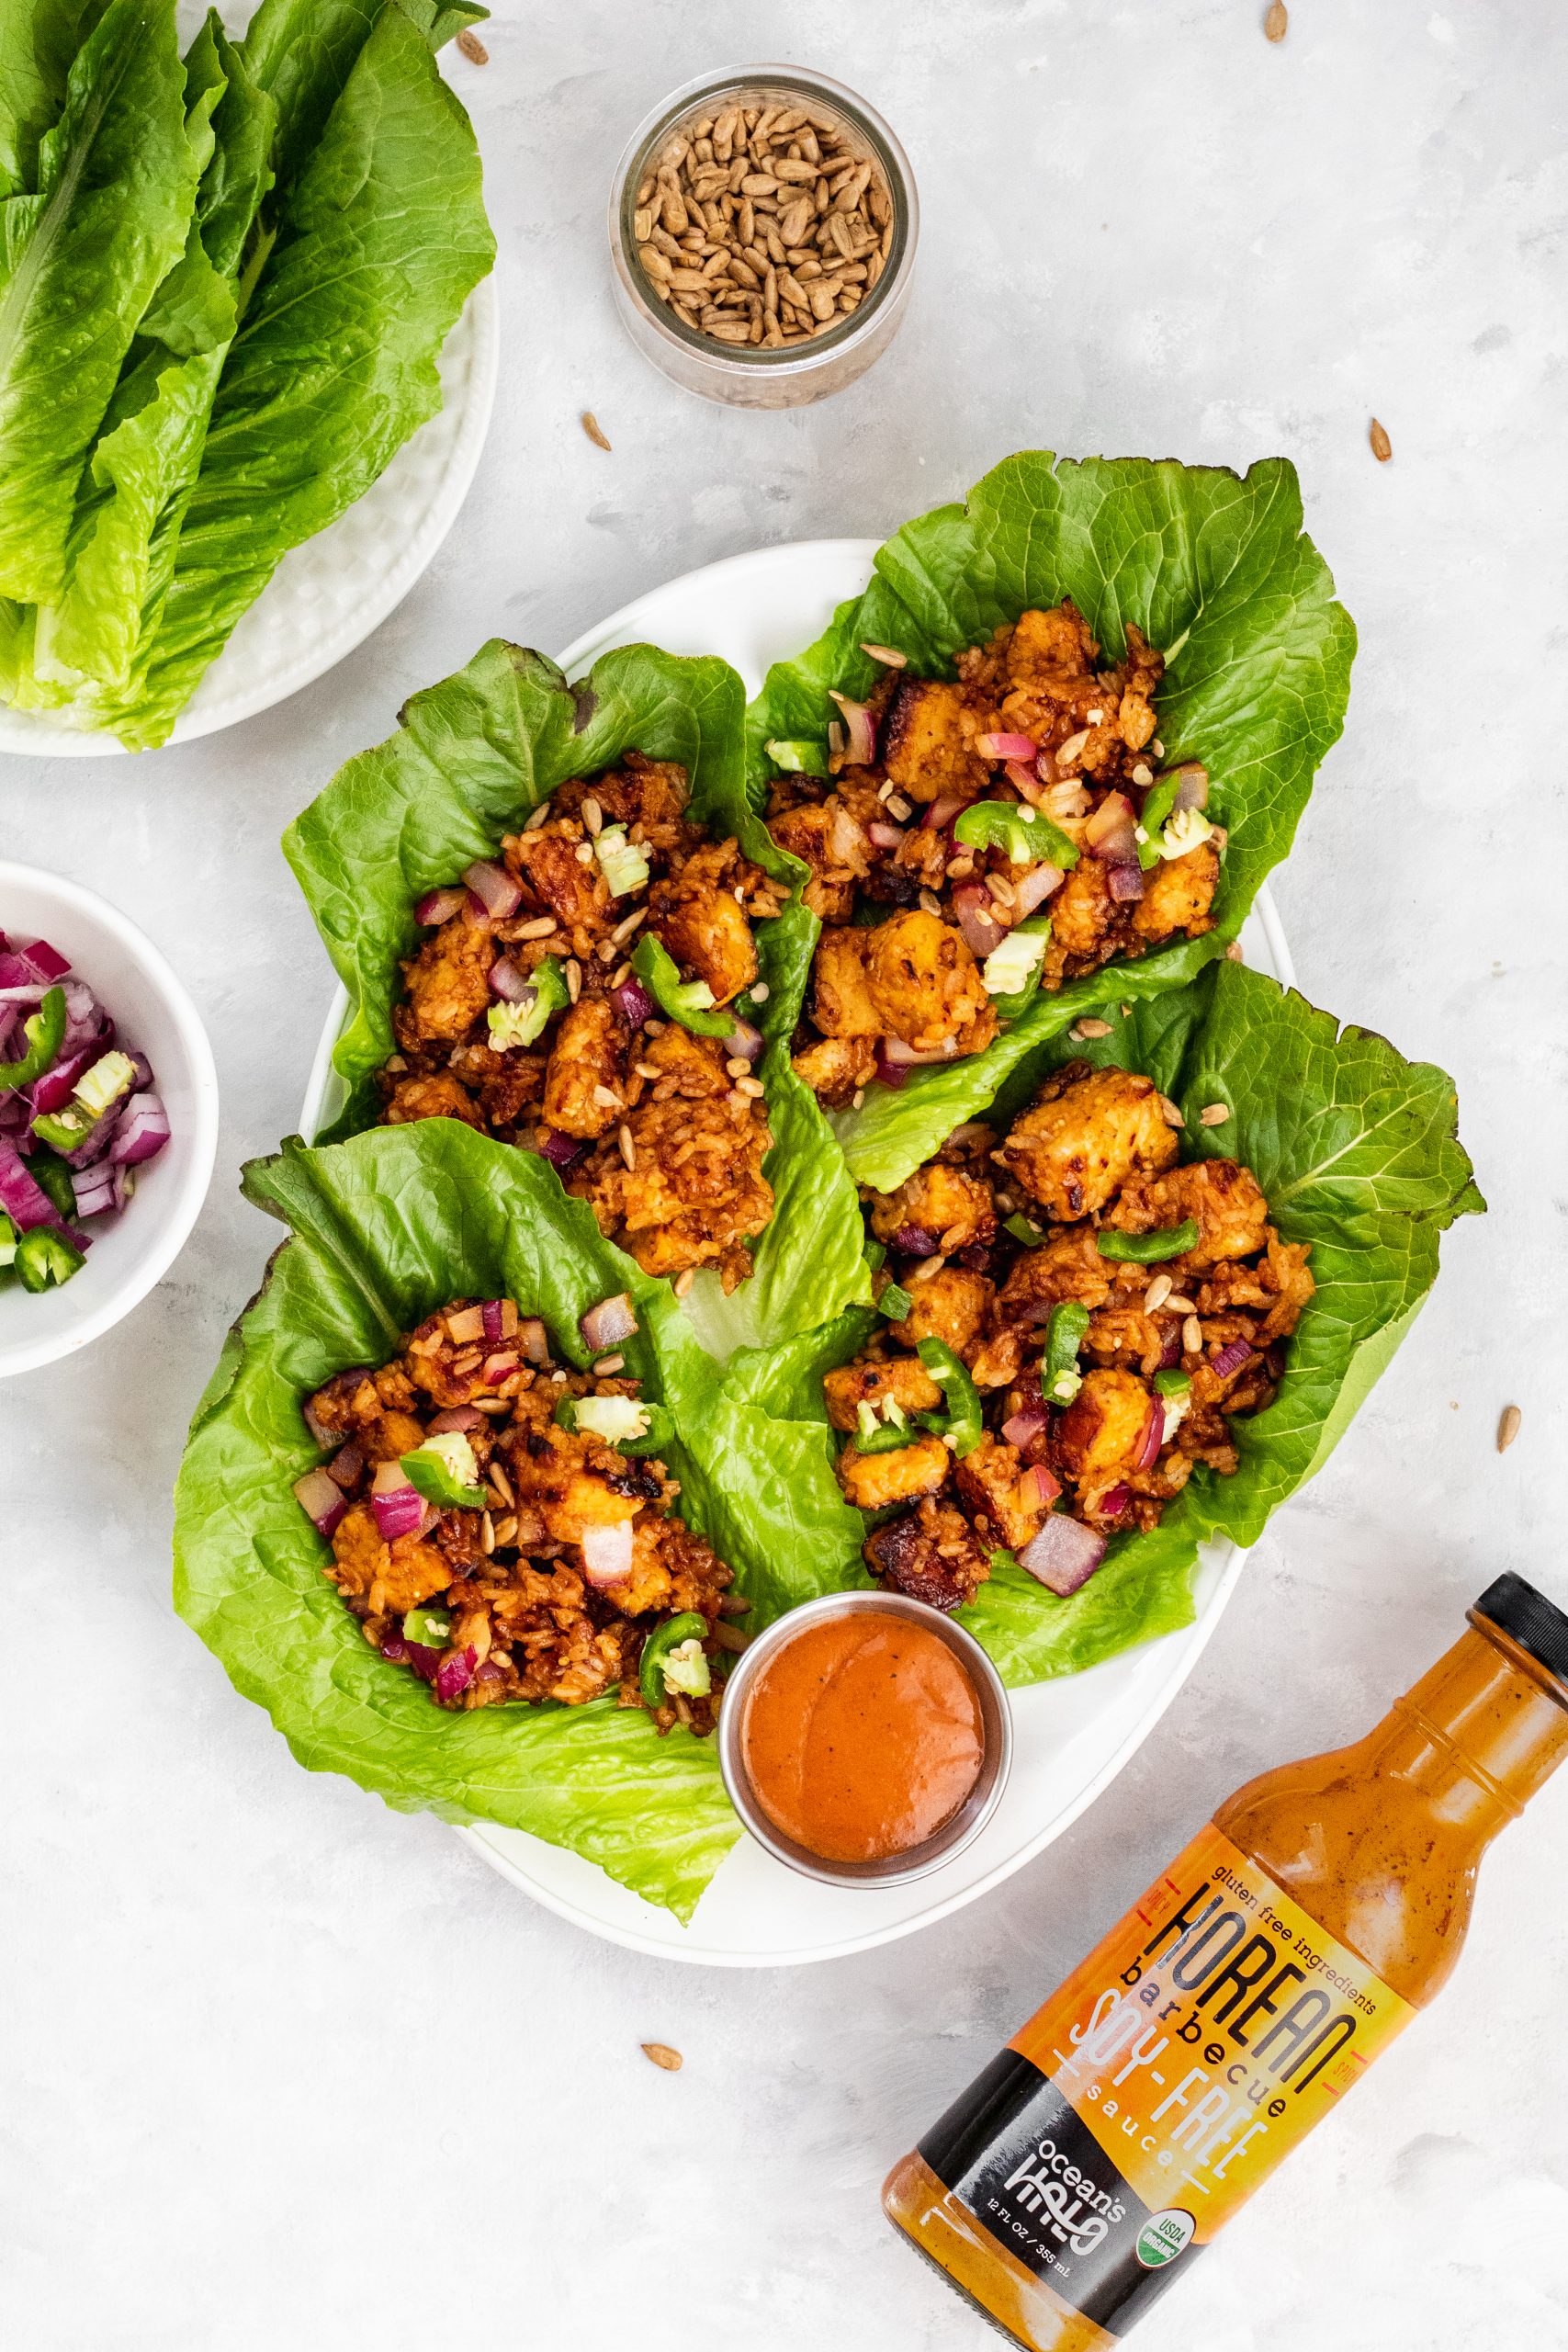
<point>153,1016</point>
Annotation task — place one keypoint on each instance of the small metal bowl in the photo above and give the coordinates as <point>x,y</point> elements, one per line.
<point>753,376</point>
<point>915,1861</point>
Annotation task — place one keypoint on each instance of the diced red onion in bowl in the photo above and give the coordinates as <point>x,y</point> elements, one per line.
<point>607,1553</point>
<point>500,893</point>
<point>54,1090</point>
<point>455,1673</point>
<point>1065,1554</point>
<point>1125,883</point>
<point>322,1499</point>
<point>439,906</point>
<point>561,1150</point>
<point>860,731</point>
<point>35,967</point>
<point>141,1131</point>
<point>633,1003</point>
<point>1232,1356</point>
<point>1028,1421</point>
<point>508,983</point>
<point>607,1324</point>
<point>24,1200</point>
<point>94,1189</point>
<point>1006,747</point>
<point>977,918</point>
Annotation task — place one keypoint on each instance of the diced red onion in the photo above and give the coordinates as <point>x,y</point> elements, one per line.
<point>322,1499</point>
<point>915,1241</point>
<point>500,893</point>
<point>9,1016</point>
<point>455,1673</point>
<point>499,1367</point>
<point>439,906</point>
<point>1171,1353</point>
<point>346,1464</point>
<point>465,1326</point>
<point>1125,882</point>
<point>395,1649</point>
<point>141,1131</point>
<point>456,1417</point>
<point>561,1150</point>
<point>884,835</point>
<point>977,918</point>
<point>1151,1438</point>
<point>633,1003</point>
<point>890,1073</point>
<point>1065,1554</point>
<point>491,1310</point>
<point>894,1060</point>
<point>87,1023</point>
<point>124,1185</point>
<point>13,1111</point>
<point>1193,792</point>
<point>744,1043</point>
<point>141,1073</point>
<point>24,1202</point>
<point>47,961</point>
<point>507,982</point>
<point>490,1672</point>
<point>607,1324</point>
<point>1232,1356</point>
<point>36,966</point>
<point>1045,1485</point>
<point>1110,831</point>
<point>475,910</point>
<point>533,1340</point>
<point>1006,747</point>
<point>425,1662</point>
<point>94,1189</point>
<point>607,1553</point>
<point>860,747</point>
<point>54,1089</point>
<point>846,839</point>
<point>398,1504</point>
<point>942,812</point>
<point>1025,781</point>
<point>1114,1501</point>
<point>318,1431</point>
<point>1035,888</point>
<point>1028,1421</point>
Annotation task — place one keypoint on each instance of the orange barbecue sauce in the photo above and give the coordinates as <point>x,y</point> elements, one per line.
<point>862,1737</point>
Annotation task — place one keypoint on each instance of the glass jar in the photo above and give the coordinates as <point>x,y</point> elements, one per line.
<point>755,375</point>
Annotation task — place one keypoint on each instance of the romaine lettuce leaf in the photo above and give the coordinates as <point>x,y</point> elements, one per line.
<point>302,53</point>
<point>116,184</point>
<point>382,238</point>
<point>39,40</point>
<point>1357,1151</point>
<point>385,1229</point>
<point>1216,570</point>
<point>470,759</point>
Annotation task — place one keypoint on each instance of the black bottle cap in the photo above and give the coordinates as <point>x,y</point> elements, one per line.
<point>1536,1623</point>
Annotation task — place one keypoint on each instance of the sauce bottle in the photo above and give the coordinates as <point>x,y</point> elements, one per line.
<point>1238,2000</point>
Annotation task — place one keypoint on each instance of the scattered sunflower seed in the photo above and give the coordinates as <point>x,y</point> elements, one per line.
<point>1382,448</point>
<point>1192,1335</point>
<point>594,429</point>
<point>683,1282</point>
<point>1170,1113</point>
<point>663,2055</point>
<point>1214,1114</point>
<point>1275,21</point>
<point>1090,1028</point>
<point>888,655</point>
<point>1234,954</point>
<point>1508,1428</point>
<point>1159,1291</point>
<point>473,48</point>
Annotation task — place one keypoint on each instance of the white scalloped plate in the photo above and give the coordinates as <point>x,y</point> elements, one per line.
<point>326,596</point>
<point>1072,1736</point>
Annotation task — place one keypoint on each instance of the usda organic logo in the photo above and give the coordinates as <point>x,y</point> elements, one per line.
<point>1164,2236</point>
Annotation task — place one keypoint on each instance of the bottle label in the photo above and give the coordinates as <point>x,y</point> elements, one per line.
<point>1171,2072</point>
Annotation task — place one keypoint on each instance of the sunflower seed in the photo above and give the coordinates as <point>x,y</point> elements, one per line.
<point>1508,1428</point>
<point>628,1152</point>
<point>473,48</point>
<point>1275,21</point>
<point>889,655</point>
<point>1170,1113</point>
<point>683,1282</point>
<point>663,2055</point>
<point>1192,1335</point>
<point>1093,1028</point>
<point>1382,448</point>
<point>594,429</point>
<point>1159,1291</point>
<point>1214,1114</point>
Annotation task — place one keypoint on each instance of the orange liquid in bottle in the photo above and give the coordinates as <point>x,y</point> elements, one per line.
<point>1238,2000</point>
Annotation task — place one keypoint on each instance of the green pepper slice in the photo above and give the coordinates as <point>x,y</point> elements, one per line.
<point>7,1239</point>
<point>1174,1382</point>
<point>687,1002</point>
<point>1148,1248</point>
<point>1157,806</point>
<point>518,1024</point>
<point>433,1478</point>
<point>797,758</point>
<point>962,1422</point>
<point>53,1178</point>
<point>45,1256</point>
<point>891,1437</point>
<point>1060,1378</point>
<point>895,1302</point>
<point>1023,832</point>
<point>1015,1001</point>
<point>687,1627</point>
<point>1024,1228</point>
<point>45,1032</point>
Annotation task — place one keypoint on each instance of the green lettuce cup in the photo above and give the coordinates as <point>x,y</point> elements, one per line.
<point>384,1230</point>
<point>471,758</point>
<point>1215,570</point>
<point>1357,1152</point>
